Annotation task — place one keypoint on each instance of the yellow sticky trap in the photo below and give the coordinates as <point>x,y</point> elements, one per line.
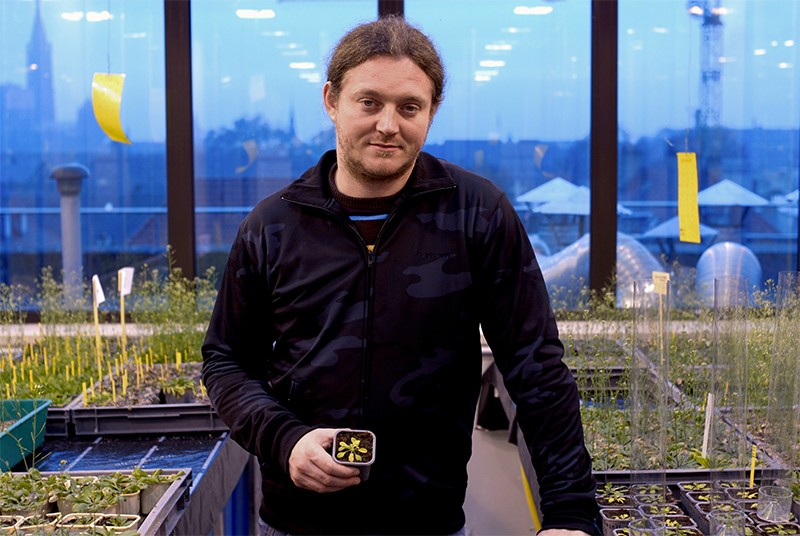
<point>688,211</point>
<point>106,100</point>
<point>660,281</point>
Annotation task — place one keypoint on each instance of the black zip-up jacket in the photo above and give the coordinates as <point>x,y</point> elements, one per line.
<point>311,329</point>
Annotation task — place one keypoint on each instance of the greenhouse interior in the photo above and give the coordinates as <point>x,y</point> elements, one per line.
<point>650,149</point>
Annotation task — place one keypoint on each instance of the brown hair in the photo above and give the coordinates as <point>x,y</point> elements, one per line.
<point>388,36</point>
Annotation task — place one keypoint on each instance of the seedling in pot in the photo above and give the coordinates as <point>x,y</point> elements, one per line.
<point>356,448</point>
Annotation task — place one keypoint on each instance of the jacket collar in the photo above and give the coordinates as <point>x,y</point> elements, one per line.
<point>311,188</point>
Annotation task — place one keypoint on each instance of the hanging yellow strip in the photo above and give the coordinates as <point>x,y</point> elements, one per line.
<point>688,211</point>
<point>106,101</point>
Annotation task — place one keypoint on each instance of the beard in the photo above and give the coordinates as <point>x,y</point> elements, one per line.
<point>378,168</point>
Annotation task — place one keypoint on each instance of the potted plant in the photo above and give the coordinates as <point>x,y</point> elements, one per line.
<point>705,496</point>
<point>695,485</point>
<point>653,499</point>
<point>682,531</point>
<point>658,490</point>
<point>779,529</point>
<point>356,448</point>
<point>731,484</point>
<point>178,390</point>
<point>743,494</point>
<point>611,494</point>
<point>62,488</point>
<point>615,518</point>
<point>661,510</point>
<point>119,523</point>
<point>679,521</point>
<point>703,509</point>
<point>126,488</point>
<point>77,523</point>
<point>153,485</point>
<point>95,499</point>
<point>23,494</point>
<point>37,524</point>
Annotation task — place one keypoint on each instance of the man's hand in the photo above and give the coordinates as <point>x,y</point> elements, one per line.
<point>312,467</point>
<point>562,532</point>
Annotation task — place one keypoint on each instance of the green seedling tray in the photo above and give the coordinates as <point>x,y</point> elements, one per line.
<point>25,434</point>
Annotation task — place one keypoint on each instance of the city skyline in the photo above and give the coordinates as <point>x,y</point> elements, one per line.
<point>270,68</point>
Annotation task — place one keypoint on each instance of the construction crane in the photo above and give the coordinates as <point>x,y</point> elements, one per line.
<point>707,117</point>
<point>709,11</point>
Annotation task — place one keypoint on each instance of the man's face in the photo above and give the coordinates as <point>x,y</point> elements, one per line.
<point>382,116</point>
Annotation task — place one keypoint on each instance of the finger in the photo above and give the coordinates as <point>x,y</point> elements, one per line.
<point>316,479</point>
<point>333,475</point>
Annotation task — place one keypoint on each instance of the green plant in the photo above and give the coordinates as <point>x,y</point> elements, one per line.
<point>779,529</point>
<point>37,520</point>
<point>696,486</point>
<point>118,520</point>
<point>120,483</point>
<point>23,492</point>
<point>81,518</point>
<point>178,385</point>
<point>175,307</point>
<point>702,461</point>
<point>619,516</point>
<point>55,307</point>
<point>661,509</point>
<point>156,476</point>
<point>746,494</point>
<point>353,450</point>
<point>613,494</point>
<point>680,531</point>
<point>648,489</point>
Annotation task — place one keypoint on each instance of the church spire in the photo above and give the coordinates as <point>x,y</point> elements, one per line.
<point>40,72</point>
<point>292,132</point>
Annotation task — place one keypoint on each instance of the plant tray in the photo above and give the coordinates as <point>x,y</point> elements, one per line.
<point>169,508</point>
<point>26,434</point>
<point>58,422</point>
<point>152,419</point>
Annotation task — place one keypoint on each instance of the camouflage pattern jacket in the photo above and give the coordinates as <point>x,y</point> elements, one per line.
<point>310,329</point>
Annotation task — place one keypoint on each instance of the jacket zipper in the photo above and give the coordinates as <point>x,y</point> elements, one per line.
<point>366,337</point>
<point>370,266</point>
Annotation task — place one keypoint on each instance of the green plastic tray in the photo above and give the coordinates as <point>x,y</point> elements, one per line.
<point>24,422</point>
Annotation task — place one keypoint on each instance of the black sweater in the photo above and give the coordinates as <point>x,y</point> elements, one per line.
<point>311,329</point>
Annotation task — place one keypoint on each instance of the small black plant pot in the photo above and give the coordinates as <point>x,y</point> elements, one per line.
<point>354,447</point>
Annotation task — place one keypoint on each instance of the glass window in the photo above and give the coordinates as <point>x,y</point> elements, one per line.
<point>720,79</point>
<point>258,70</point>
<point>116,215</point>
<point>516,110</point>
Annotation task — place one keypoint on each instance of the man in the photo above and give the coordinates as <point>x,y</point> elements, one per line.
<point>354,297</point>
